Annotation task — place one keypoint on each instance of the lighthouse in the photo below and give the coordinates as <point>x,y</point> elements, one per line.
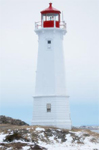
<point>51,102</point>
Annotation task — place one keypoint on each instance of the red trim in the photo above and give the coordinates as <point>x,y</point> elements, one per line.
<point>50,9</point>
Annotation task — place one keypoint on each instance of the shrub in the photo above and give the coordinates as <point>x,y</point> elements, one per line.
<point>14,136</point>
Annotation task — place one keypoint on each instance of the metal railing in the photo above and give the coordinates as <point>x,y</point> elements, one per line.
<point>62,25</point>
<point>38,25</point>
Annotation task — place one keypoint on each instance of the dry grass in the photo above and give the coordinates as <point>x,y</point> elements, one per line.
<point>5,127</point>
<point>19,146</point>
<point>94,134</point>
<point>9,126</point>
<point>25,130</point>
<point>15,146</point>
<point>86,132</point>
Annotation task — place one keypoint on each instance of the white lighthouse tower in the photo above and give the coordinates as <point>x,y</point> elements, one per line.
<point>51,104</point>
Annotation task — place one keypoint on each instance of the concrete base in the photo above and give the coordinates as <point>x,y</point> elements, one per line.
<point>58,123</point>
<point>59,115</point>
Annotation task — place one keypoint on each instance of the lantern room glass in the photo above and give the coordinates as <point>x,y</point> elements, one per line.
<point>50,17</point>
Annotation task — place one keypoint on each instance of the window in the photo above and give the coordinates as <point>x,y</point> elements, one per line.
<point>48,107</point>
<point>49,42</point>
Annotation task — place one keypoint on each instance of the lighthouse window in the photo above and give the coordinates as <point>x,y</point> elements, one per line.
<point>49,42</point>
<point>48,107</point>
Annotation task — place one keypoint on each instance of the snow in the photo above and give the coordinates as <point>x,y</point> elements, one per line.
<point>26,147</point>
<point>58,129</point>
<point>39,129</point>
<point>70,147</point>
<point>77,133</point>
<point>2,137</point>
<point>58,144</point>
<point>69,138</point>
<point>11,132</point>
<point>41,134</point>
<point>27,128</point>
<point>51,138</point>
<point>10,148</point>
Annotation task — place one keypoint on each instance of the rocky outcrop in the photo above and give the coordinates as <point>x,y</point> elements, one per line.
<point>9,120</point>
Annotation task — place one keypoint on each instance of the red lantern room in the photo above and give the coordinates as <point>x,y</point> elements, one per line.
<point>50,17</point>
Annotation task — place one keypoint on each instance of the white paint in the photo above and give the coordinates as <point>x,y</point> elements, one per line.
<point>50,81</point>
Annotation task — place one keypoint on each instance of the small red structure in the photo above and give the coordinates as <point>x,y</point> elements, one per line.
<point>50,17</point>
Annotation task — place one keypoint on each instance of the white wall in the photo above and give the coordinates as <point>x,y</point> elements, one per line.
<point>59,115</point>
<point>50,74</point>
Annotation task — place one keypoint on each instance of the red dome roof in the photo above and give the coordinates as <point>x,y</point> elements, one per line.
<point>50,9</point>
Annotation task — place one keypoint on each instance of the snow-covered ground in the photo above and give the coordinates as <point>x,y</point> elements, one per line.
<point>51,138</point>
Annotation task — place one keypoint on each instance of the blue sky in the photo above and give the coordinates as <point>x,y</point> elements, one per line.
<point>81,113</point>
<point>19,48</point>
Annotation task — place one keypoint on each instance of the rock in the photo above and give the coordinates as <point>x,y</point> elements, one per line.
<point>37,147</point>
<point>9,120</point>
<point>48,132</point>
